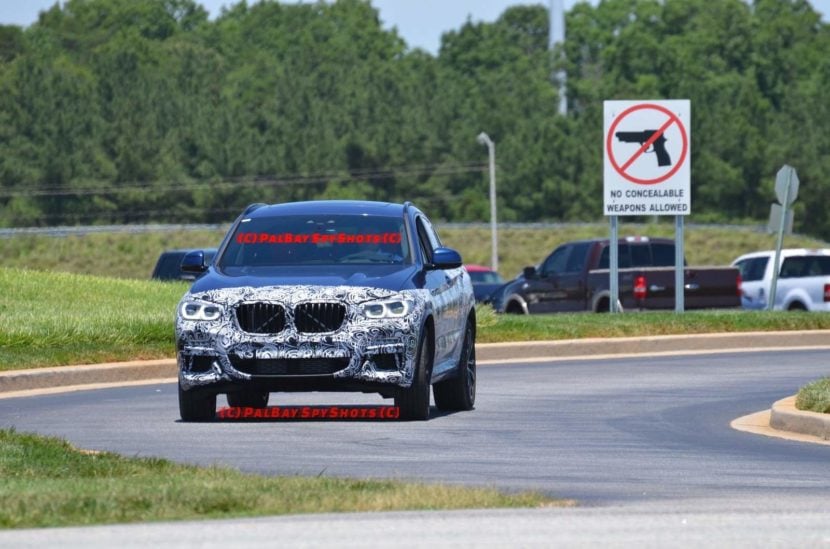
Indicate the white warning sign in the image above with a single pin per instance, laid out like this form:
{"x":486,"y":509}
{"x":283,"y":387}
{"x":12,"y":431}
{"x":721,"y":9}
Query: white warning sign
{"x":647,"y":158}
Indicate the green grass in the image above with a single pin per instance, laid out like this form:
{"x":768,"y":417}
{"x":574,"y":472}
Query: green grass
{"x":107,"y":254}
{"x":135,"y":255}
{"x":47,"y":482}
{"x":53,"y":319}
{"x":499,"y":328}
{"x":815,"y":396}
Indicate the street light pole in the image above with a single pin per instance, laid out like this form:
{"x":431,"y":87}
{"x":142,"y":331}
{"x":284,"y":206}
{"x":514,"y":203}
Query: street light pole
{"x":484,"y":139}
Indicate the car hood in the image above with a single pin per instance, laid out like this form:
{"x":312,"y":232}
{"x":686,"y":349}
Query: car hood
{"x":388,"y":277}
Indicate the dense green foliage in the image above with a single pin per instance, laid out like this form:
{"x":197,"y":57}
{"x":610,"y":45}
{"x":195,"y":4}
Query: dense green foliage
{"x":134,"y":110}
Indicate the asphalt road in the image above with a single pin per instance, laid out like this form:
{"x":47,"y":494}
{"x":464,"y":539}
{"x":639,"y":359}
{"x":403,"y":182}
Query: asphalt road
{"x":636,"y":437}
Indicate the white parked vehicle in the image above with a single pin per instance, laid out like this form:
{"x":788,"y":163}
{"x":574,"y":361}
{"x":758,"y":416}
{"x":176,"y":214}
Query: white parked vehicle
{"x":803,"y":279}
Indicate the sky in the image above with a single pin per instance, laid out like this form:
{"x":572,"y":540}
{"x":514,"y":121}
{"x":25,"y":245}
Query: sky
{"x":419,"y":22}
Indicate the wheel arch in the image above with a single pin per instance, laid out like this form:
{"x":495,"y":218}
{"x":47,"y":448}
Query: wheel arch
{"x":797,"y":305}
{"x":797,"y":299}
{"x":517,"y":301}
{"x":599,"y":299}
{"x":428,"y":330}
{"x":604,"y":298}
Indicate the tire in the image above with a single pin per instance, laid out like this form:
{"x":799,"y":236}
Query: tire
{"x":413,"y":401}
{"x":248,"y":399}
{"x":513,"y":308}
{"x":459,"y":393}
{"x":196,"y":405}
{"x":797,"y":306}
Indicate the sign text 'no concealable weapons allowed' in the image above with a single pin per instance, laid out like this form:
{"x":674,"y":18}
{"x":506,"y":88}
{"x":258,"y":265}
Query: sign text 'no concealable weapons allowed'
{"x":646,"y":150}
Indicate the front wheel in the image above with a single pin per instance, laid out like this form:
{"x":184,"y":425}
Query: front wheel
{"x":196,"y":405}
{"x":413,"y":402}
{"x":459,"y":393}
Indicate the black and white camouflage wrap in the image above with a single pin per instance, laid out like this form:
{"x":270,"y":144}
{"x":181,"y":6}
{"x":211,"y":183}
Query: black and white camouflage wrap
{"x":358,"y":338}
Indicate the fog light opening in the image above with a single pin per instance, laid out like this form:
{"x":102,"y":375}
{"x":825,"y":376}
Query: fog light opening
{"x":386,"y":362}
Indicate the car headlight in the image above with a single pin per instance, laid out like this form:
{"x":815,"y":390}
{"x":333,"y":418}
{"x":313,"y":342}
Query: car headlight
{"x":388,"y":308}
{"x":200,"y":310}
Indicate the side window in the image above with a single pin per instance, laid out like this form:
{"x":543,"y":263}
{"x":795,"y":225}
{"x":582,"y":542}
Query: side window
{"x":823,"y":263}
{"x":625,"y":256}
{"x":640,"y":255}
{"x":817,"y":266}
{"x":794,"y":267}
{"x":623,"y":260}
{"x":432,"y":235}
{"x":555,"y":263}
{"x":752,"y":269}
{"x":576,"y":259}
{"x":604,"y":258}
{"x":663,"y":255}
{"x":423,"y":240}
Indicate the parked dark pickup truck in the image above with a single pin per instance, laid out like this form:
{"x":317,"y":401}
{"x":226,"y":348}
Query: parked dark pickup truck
{"x":575,"y":277}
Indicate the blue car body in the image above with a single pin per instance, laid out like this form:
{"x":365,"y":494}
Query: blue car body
{"x":328,"y":296}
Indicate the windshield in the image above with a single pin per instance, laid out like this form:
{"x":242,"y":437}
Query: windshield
{"x":316,"y":240}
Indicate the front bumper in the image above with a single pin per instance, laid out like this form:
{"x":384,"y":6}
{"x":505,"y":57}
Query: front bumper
{"x":362,"y":352}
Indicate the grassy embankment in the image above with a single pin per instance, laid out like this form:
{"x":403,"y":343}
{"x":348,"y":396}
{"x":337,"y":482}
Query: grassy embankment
{"x":57,"y":319}
{"x":135,"y":255}
{"x":53,"y":319}
{"x":47,"y":482}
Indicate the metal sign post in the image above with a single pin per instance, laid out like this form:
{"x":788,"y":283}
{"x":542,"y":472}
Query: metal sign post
{"x":679,"y":267}
{"x":786,"y":189}
{"x":613,"y":267}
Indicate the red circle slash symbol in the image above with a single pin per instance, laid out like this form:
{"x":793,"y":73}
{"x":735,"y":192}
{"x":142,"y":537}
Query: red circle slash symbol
{"x":673,"y":119}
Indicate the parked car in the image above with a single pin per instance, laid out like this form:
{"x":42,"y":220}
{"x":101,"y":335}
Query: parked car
{"x":803,"y":279}
{"x":328,"y":296}
{"x":169,"y":264}
{"x":485,"y":281}
{"x":575,"y":277}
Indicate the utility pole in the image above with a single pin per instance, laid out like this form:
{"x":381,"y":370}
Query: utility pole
{"x":557,"y":37}
{"x":484,"y":139}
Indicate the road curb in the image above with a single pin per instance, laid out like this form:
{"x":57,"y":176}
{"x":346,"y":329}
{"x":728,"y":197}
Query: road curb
{"x":86,"y":374}
{"x":651,"y":344}
{"x":784,"y":416}
{"x":89,"y":374}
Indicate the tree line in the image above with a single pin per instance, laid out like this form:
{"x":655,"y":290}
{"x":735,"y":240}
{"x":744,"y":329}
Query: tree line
{"x":147,"y":110}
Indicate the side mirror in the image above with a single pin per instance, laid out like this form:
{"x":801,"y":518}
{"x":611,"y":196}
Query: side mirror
{"x":529,"y":272}
{"x":194,"y":262}
{"x":445,"y":258}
